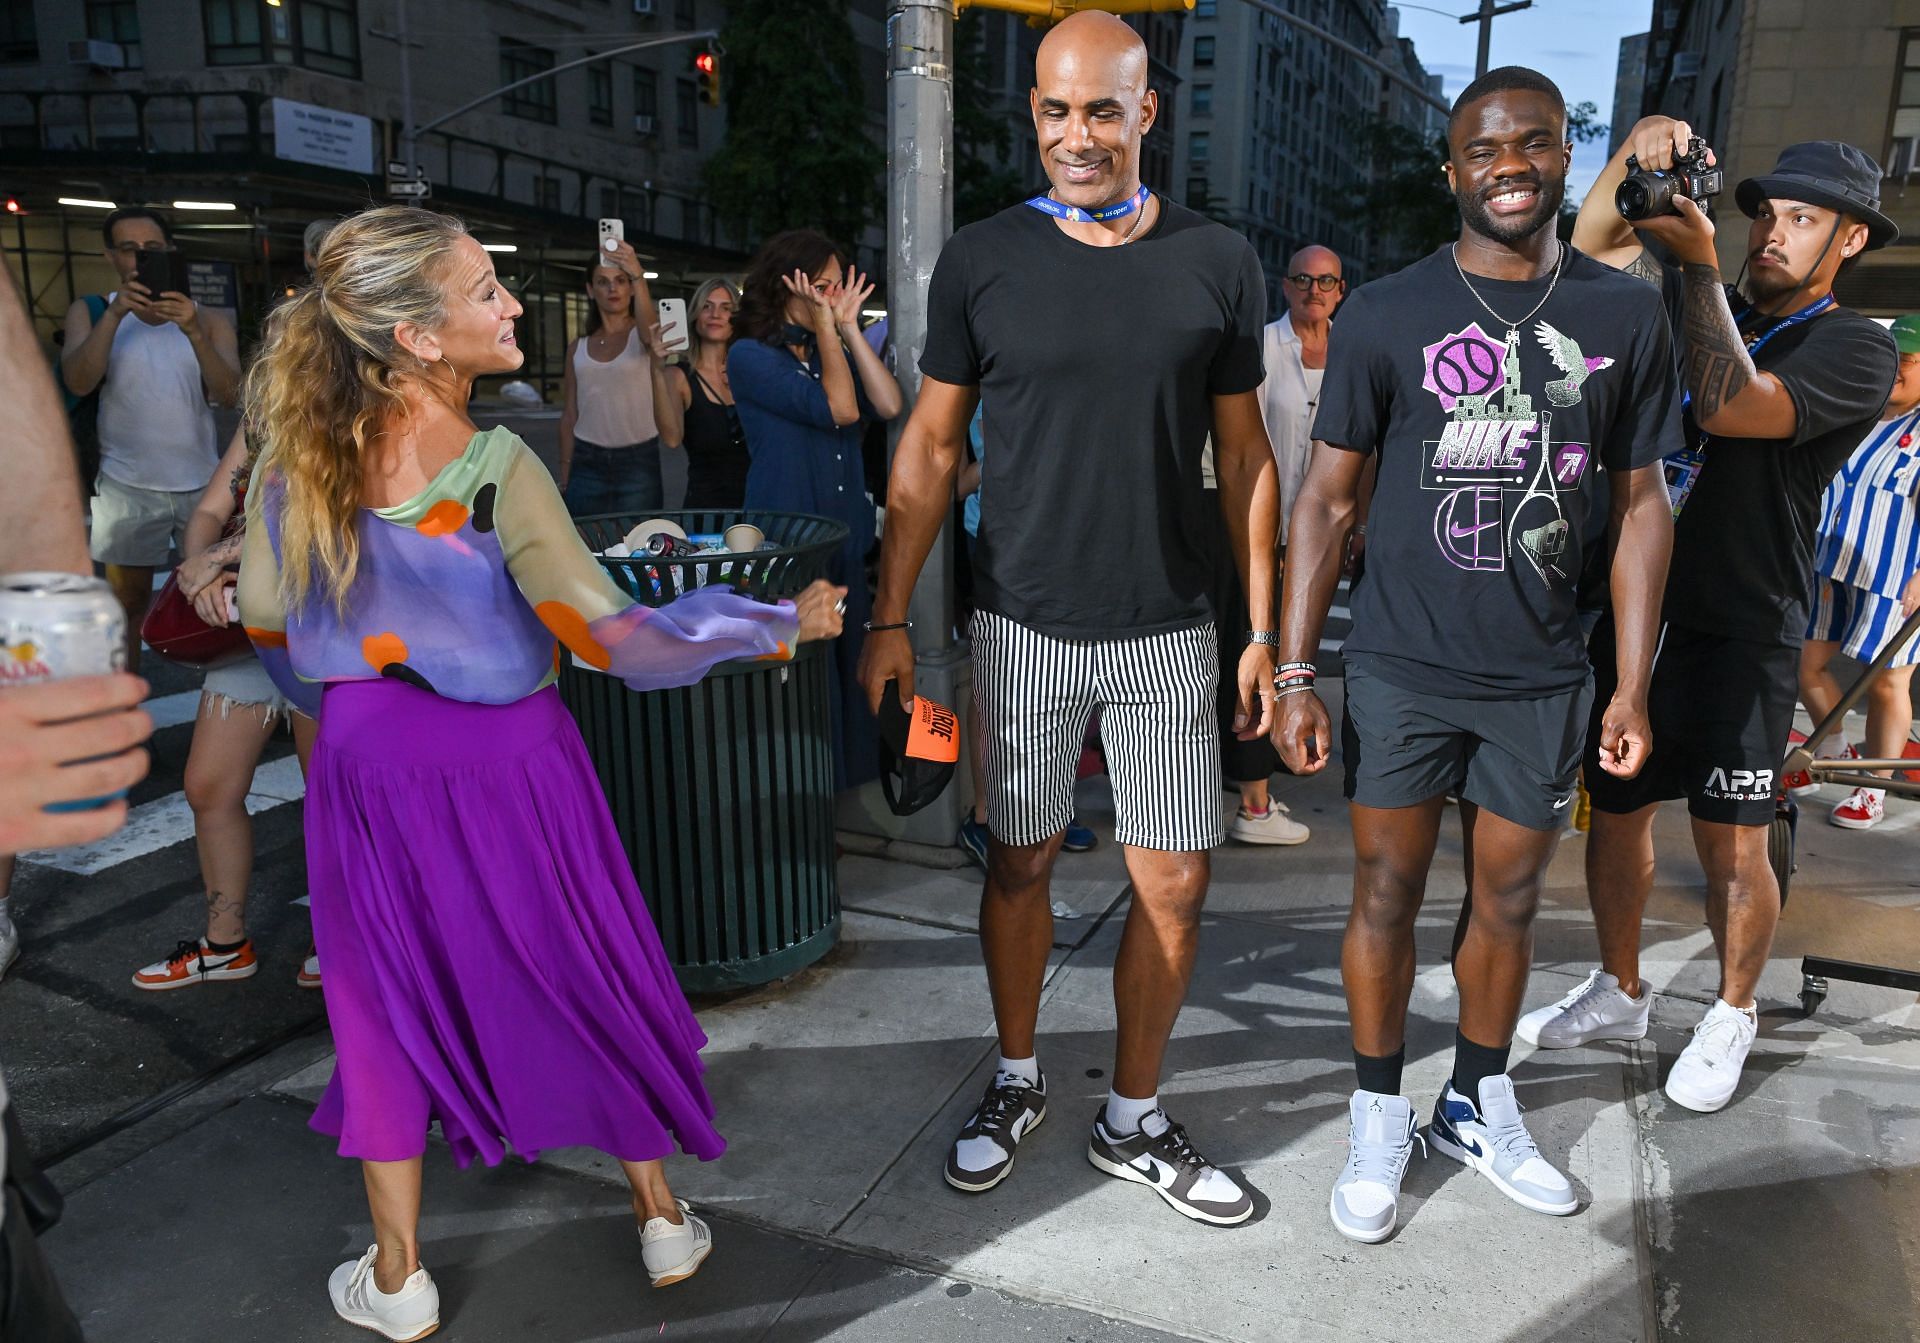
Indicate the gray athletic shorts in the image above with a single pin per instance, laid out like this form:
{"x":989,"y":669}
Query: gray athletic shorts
{"x":1033,"y":695}
{"x":1517,"y":758}
{"x":139,"y":527}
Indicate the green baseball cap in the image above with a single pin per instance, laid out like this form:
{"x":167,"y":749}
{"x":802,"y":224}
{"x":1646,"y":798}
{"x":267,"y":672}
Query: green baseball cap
{"x":1906,"y":333}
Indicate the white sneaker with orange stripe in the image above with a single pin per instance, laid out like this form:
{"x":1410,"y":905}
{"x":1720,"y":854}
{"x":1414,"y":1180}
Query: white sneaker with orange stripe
{"x":197,"y":963}
{"x":308,"y":976}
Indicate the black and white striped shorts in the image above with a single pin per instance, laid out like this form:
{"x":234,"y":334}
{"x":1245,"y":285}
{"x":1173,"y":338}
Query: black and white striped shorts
{"x":1033,"y":695}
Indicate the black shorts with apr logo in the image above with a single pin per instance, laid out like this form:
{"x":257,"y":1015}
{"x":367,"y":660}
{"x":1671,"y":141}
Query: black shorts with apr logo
{"x":1720,"y":711}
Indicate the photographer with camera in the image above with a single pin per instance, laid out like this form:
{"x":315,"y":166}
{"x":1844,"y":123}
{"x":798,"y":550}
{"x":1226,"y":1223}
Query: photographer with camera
{"x":155,"y":376}
{"x":1782,"y":384}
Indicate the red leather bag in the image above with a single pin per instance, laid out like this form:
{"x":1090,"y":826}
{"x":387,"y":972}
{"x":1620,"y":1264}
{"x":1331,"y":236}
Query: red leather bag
{"x":175,"y":631}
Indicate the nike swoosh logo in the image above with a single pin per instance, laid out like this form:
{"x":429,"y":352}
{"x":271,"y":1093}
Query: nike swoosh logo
{"x":1148,"y":1167}
{"x":1563,"y":802}
{"x":1459,"y":533}
{"x":1469,"y":1145}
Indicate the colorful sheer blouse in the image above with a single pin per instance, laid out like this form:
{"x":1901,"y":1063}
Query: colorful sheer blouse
{"x":471,"y":588}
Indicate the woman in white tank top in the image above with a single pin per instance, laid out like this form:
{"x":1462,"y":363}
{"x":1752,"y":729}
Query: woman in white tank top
{"x":619,"y":409}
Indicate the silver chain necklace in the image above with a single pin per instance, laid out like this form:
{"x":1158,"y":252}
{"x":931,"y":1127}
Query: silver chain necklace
{"x":1513,"y":328}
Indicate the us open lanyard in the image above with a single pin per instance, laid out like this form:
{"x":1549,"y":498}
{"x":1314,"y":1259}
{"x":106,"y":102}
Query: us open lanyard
{"x":1073,"y":214}
{"x":1683,"y":467}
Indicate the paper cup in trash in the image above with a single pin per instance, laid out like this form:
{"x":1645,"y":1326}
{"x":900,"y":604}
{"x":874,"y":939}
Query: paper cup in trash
{"x":744,"y":537}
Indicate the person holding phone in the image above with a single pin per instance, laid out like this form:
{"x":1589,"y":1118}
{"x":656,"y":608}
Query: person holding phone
{"x":155,"y":376}
{"x":716,"y":443}
{"x":619,"y":408}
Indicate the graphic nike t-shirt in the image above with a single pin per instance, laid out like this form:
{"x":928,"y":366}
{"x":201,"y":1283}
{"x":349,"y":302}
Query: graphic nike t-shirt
{"x":1495,"y":436}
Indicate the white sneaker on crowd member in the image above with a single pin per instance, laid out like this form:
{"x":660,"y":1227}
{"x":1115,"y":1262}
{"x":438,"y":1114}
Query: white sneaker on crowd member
{"x":1159,"y":1155}
{"x":1380,"y":1138}
{"x":1596,"y":1009}
{"x":674,"y":1253}
{"x":1863,"y":811}
{"x":1272,"y":826}
{"x":410,"y":1313}
{"x":1800,"y":783}
{"x":308,"y":976}
{"x":1491,"y":1138}
{"x":1015,"y":1104}
{"x":1707,"y":1072}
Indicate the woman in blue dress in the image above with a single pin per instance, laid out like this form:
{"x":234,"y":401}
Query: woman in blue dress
{"x":805,"y":384}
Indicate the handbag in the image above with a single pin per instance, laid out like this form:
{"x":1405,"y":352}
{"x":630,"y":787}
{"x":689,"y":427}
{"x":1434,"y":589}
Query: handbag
{"x":174,"y":630}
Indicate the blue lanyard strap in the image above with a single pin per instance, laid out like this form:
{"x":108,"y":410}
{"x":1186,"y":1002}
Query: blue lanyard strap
{"x":1808,"y":313}
{"x":1073,"y":214}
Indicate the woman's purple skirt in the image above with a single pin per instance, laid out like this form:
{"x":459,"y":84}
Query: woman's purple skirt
{"x":488,"y":959}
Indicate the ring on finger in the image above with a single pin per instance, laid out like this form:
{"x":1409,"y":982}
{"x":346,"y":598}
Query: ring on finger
{"x":840,"y":607}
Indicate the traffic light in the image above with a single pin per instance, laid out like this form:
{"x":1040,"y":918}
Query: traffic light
{"x":706,"y":66}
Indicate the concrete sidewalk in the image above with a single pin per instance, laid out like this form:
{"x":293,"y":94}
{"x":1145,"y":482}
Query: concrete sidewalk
{"x":1794,"y":1214}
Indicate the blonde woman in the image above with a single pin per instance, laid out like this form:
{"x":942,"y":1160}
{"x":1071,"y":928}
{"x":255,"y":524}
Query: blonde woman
{"x":490,"y":963}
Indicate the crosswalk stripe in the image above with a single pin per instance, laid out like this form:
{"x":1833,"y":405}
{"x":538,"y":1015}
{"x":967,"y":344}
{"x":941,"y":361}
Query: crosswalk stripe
{"x":168,"y":820}
{"x":173,"y":710}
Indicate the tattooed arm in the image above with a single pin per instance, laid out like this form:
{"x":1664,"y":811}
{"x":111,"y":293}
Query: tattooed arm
{"x":1731,"y":398}
{"x":1599,"y":231}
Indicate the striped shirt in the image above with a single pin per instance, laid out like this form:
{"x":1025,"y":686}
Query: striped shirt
{"x":1869,"y":526}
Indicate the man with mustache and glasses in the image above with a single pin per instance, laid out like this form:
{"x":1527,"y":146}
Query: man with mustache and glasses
{"x":1107,"y":331}
{"x":1782,"y":385}
{"x":1518,"y":397}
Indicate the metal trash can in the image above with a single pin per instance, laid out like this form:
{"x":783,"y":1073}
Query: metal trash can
{"x":723,"y":790}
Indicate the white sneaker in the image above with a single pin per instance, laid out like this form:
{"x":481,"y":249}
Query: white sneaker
{"x":1491,"y":1138}
{"x":1380,"y":1138}
{"x":674,"y":1253}
{"x":1595,"y":1010}
{"x":1707,"y":1072}
{"x":1273,"y":826}
{"x":410,"y":1313}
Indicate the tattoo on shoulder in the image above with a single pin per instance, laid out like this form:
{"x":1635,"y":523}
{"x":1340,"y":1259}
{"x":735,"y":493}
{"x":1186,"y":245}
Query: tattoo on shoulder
{"x":1718,"y":367}
{"x":1646,"y":268}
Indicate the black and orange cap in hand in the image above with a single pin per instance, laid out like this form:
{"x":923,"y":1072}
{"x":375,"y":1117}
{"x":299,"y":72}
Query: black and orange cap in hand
{"x":919,"y":749}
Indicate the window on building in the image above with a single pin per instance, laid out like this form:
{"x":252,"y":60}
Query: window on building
{"x":318,"y":34}
{"x":546,"y":192}
{"x":600,"y":94}
{"x":686,"y":112}
{"x":1203,"y":51}
{"x":19,"y":42}
{"x":1199,"y":147}
{"x":116,"y":21}
{"x":1201,"y":100}
{"x":1906,"y":98}
{"x":1197,"y":193}
{"x":646,"y":93}
{"x":683,"y":15}
{"x":1205,"y":9}
{"x":330,"y":37}
{"x":538,"y":101}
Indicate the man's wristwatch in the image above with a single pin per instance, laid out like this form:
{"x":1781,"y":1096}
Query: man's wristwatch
{"x":1265,"y":638}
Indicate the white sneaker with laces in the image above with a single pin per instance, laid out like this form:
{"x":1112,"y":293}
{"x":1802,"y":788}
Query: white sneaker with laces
{"x":674,"y":1253}
{"x":1273,"y":826}
{"x":1707,"y":1072}
{"x":1380,"y":1137}
{"x":410,"y":1313}
{"x":1490,"y":1137}
{"x":1863,"y":811}
{"x":1596,"y":1009}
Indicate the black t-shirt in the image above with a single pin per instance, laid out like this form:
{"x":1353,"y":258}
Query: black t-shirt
{"x":1743,"y":543}
{"x":1095,"y":367}
{"x":1492,"y":451}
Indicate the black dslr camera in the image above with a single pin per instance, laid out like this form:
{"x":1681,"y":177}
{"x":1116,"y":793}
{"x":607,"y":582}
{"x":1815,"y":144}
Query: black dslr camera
{"x":1645,"y":193}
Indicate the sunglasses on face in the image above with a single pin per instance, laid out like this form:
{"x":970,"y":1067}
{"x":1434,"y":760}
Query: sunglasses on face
{"x":1326,"y":284}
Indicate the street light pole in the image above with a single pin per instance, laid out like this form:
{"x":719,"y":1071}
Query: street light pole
{"x":407,"y":133}
{"x":1484,"y":16}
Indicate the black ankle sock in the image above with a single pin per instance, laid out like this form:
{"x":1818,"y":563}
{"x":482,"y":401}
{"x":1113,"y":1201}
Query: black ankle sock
{"x":1380,"y":1074}
{"x":224,"y":947}
{"x":1472,"y":1062}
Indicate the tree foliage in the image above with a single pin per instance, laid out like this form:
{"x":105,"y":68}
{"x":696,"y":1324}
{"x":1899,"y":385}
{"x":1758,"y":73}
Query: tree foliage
{"x":983,"y":183}
{"x":797,"y":152}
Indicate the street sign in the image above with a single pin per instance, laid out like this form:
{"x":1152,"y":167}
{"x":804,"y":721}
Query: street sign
{"x":416,"y":190}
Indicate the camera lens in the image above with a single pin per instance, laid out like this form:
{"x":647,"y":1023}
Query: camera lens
{"x":1631,"y":199}
{"x":1644,"y":195}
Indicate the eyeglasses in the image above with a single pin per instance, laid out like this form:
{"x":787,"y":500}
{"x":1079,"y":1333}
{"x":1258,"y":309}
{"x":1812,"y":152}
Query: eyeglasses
{"x":1326,"y":284}
{"x":136,"y":248}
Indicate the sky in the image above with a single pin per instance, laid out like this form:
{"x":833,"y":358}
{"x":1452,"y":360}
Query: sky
{"x":1576,"y":43}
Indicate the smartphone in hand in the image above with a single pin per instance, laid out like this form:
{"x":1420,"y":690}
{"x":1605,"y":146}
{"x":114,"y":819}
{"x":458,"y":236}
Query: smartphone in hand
{"x":612,"y":233}
{"x":161,"y":272}
{"x":673,"y":325}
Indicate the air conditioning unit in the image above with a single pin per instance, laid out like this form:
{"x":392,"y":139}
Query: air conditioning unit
{"x":643,"y":6}
{"x":642,"y":121}
{"x":1686,"y":64}
{"x":97,"y":53}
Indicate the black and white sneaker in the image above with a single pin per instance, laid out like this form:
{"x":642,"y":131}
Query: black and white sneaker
{"x":982,"y":1155}
{"x":1176,"y":1172}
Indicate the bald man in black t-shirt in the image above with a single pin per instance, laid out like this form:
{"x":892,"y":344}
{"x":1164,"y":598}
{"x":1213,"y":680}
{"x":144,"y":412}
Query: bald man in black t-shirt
{"x":1108,"y":331}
